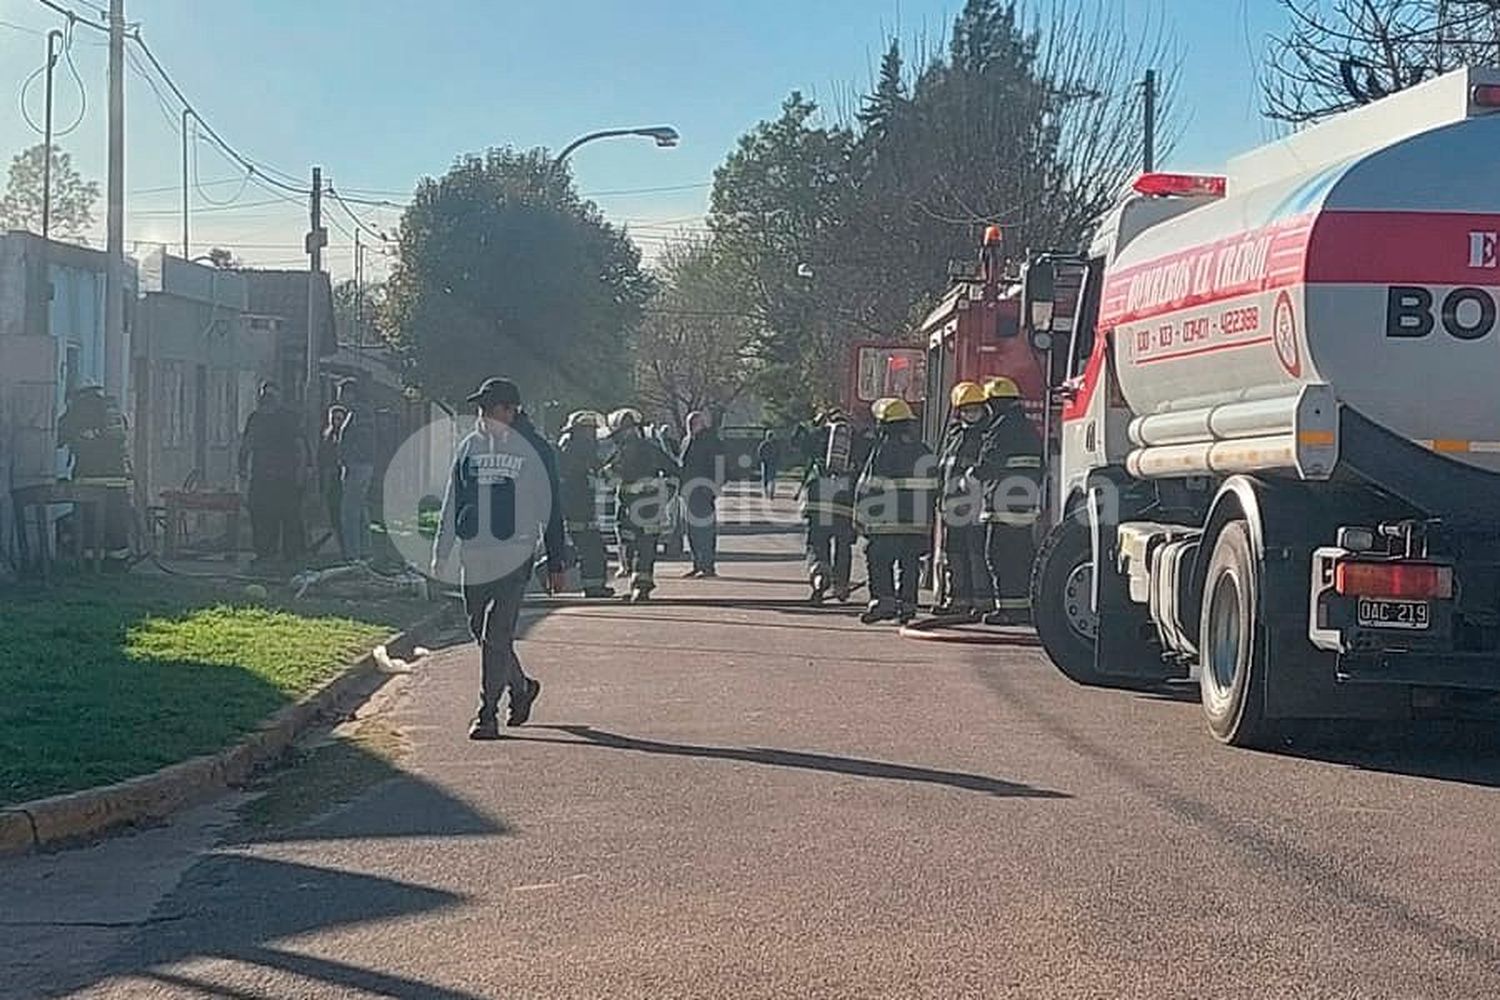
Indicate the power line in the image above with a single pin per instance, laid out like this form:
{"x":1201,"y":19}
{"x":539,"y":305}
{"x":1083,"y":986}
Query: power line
{"x":250,"y":165}
{"x":368,"y":229}
{"x":22,"y":28}
{"x":73,"y":15}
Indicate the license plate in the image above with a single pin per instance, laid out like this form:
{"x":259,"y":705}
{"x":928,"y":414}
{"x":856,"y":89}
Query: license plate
{"x":1413,"y":615}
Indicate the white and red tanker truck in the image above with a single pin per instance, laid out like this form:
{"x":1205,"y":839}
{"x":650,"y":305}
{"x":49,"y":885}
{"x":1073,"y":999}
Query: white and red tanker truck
{"x":1277,"y":465}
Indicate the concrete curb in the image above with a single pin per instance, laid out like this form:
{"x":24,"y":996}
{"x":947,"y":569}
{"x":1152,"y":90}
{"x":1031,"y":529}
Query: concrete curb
{"x":77,"y":817}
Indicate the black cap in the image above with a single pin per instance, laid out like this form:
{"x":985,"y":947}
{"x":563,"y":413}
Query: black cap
{"x":495,"y":391}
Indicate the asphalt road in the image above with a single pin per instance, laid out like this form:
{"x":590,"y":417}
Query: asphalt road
{"x":765,"y":801}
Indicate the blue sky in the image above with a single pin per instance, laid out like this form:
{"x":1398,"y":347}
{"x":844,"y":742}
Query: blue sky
{"x":381,"y":92}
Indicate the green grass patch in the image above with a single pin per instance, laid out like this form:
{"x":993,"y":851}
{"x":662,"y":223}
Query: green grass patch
{"x":109,"y":678}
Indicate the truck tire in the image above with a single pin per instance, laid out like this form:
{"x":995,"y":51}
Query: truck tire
{"x":1061,"y":588}
{"x":1232,"y":672}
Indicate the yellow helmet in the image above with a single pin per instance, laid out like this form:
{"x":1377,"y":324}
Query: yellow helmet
{"x":892,"y":410}
{"x":966,"y":394}
{"x":1001,"y":387}
{"x":625,"y":416}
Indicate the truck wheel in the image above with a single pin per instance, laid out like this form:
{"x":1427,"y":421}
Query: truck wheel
{"x":1062,"y":582}
{"x":1232,"y":668}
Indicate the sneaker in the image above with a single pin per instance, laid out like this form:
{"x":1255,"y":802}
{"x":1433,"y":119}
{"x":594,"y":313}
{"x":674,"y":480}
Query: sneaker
{"x":875,"y":614}
{"x":520,"y":708}
{"x":639,"y":595}
{"x":1011,"y":618}
{"x":709,"y":574}
{"x":906,"y":615}
{"x":484,"y":727}
{"x":841,"y":594}
{"x":692,"y":574}
{"x":819,"y":588}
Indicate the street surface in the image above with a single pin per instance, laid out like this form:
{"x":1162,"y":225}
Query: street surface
{"x":771,"y":801}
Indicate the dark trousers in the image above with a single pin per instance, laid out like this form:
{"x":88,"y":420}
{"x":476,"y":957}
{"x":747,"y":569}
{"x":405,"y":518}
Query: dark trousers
{"x":830,"y":550}
{"x":276,"y":518}
{"x":768,"y":480}
{"x":638,"y":554}
{"x":493,"y":608}
{"x":703,"y":537}
{"x":1010,"y":551}
{"x":968,"y":568}
{"x":894,"y":564}
{"x":588,"y":543}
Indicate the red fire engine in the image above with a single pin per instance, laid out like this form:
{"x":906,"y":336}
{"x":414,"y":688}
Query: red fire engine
{"x":974,"y":334}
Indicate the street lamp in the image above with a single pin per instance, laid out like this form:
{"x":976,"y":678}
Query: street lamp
{"x":665,"y":137}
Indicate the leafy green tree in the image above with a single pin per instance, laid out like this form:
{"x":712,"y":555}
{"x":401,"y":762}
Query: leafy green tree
{"x":504,"y":269}
{"x":695,"y":344}
{"x":72,"y":209}
{"x":778,"y":207}
{"x":357,"y":311}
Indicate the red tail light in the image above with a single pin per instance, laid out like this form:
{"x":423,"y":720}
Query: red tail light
{"x":1486,"y":95}
{"x":1414,"y":581}
{"x":1180,"y":185}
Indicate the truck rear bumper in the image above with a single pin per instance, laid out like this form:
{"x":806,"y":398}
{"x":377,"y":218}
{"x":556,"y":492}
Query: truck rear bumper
{"x":1465,"y":671}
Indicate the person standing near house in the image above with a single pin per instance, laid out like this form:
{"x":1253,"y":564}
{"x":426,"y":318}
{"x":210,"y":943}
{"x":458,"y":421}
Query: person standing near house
{"x":330,"y":489}
{"x":357,"y":462}
{"x":501,"y":494}
{"x":702,"y":474}
{"x":274,"y":460}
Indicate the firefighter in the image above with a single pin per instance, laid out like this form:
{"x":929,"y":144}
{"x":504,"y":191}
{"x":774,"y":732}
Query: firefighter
{"x":645,"y":473}
{"x":893,"y":507}
{"x":828,"y":505}
{"x":93,"y":430}
{"x":1010,"y":467}
{"x":971,"y":591}
{"x":578,"y":472}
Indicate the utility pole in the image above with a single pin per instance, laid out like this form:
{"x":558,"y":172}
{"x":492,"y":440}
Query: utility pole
{"x":187,"y":254}
{"x":1150,"y":120}
{"x":317,"y":238}
{"x":359,"y":293}
{"x":53,"y":37}
{"x":114,"y":251}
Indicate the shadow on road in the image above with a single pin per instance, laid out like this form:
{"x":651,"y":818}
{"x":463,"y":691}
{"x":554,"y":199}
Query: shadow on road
{"x":853,"y":766}
{"x":230,"y":905}
{"x":1462,"y":752}
{"x":759,"y":557}
{"x":1270,"y":854}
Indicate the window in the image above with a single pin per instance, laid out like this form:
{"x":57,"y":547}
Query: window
{"x":223,"y":407}
{"x":172,"y":412}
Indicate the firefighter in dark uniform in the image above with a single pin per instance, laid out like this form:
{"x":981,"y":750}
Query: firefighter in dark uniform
{"x":971,"y":591}
{"x":894,"y":501}
{"x":828,"y":505}
{"x":578,"y":472}
{"x":1010,"y":467}
{"x":94,"y":432}
{"x":646,"y":474}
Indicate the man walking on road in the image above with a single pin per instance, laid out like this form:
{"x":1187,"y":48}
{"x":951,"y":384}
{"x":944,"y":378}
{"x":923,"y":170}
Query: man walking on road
{"x":501,"y":492}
